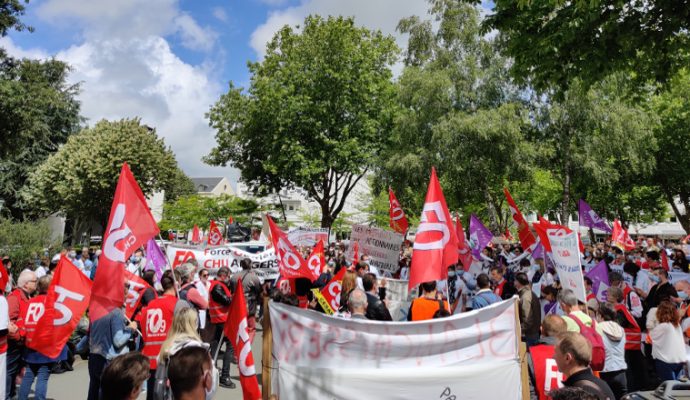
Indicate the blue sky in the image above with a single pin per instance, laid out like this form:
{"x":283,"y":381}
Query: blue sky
{"x":168,"y":61}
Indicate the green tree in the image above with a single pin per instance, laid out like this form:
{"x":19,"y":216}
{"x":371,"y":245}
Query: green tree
{"x":10,"y":11}
{"x":25,"y":242}
{"x":460,"y":112}
{"x":316,"y":114}
{"x":673,"y":137}
{"x":187,"y":211}
{"x":554,"y":42}
{"x":79,"y":180}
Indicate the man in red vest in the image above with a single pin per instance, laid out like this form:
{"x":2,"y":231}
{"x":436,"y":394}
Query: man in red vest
{"x":17,"y":303}
{"x":543,"y":372}
{"x":155,"y":321}
{"x":218,"y":307}
{"x":636,"y":372}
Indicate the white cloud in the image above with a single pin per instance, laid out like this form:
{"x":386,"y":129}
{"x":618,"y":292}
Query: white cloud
{"x":220,"y":14}
{"x":16,"y":51}
{"x":380,"y":14}
{"x":193,"y":35}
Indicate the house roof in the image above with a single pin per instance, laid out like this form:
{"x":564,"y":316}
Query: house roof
{"x":206,"y":184}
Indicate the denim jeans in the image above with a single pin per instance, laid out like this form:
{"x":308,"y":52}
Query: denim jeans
{"x":667,"y":371}
{"x":39,"y":371}
{"x":97,"y":364}
{"x":14,"y":365}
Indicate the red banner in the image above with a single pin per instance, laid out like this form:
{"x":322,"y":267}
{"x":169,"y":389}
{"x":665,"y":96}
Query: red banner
{"x":4,"y":277}
{"x":66,"y":301}
{"x":290,"y":262}
{"x":137,"y":285}
{"x":355,"y":254}
{"x":398,"y":220}
{"x":331,"y":292}
{"x":526,"y":237}
{"x":436,"y":243}
{"x":196,"y":235}
{"x":236,"y":331}
{"x":215,"y":237}
{"x":317,"y":260}
{"x":130,"y":226}
{"x":621,"y":238}
{"x":464,"y":249}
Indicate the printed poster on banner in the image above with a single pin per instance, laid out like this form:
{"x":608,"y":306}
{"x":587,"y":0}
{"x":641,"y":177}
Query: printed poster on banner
{"x":399,"y":298}
{"x":264,"y":263}
{"x":382,"y":246}
{"x":320,"y":357}
{"x":566,"y":257}
{"x":308,"y":237}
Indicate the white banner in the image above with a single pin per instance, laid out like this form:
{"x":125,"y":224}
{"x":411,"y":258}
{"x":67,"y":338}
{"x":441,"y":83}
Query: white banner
{"x":398,"y":298}
{"x":320,"y":357}
{"x":265,"y":263}
{"x":566,"y":256}
{"x":382,"y":246}
{"x":308,"y":237}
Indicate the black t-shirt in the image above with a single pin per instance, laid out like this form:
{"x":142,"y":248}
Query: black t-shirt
{"x":659,"y":293}
{"x":590,"y":384}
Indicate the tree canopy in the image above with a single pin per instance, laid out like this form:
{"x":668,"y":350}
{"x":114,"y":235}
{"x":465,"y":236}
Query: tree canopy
{"x":79,"y":179}
{"x":316,"y":113}
{"x":187,"y":211}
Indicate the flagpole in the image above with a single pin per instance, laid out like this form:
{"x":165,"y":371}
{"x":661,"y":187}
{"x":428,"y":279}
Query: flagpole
{"x":167,"y":264}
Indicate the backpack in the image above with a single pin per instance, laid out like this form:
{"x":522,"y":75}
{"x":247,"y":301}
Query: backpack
{"x":161,"y":386}
{"x":598,"y":350}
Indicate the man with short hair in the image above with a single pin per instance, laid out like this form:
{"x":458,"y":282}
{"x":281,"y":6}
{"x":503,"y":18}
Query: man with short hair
{"x":662,"y":290}
{"x":502,"y":288}
{"x":17,"y":301}
{"x":218,"y":308}
{"x":571,"y":307}
{"x":191,"y":374}
{"x":188,"y":290}
{"x":357,"y":304}
{"x":253,"y":293}
{"x":484,"y":295}
{"x":572,"y":354}
{"x":529,"y":310}
{"x":376,"y":309}
{"x":632,"y":300}
{"x":541,"y":378}
{"x":425,"y":306}
{"x":123,"y":378}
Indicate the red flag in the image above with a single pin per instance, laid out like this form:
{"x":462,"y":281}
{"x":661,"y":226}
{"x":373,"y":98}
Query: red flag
{"x":133,"y":298}
{"x":398,"y":220}
{"x":130,"y":226}
{"x":66,"y":301}
{"x":196,"y":235}
{"x":664,"y":260}
{"x":331,"y":292}
{"x":231,"y":220}
{"x":436,"y":243}
{"x":215,"y":238}
{"x":508,"y":235}
{"x":4,"y":277}
{"x":290,"y":262}
{"x":526,"y":237}
{"x":355,"y":256}
{"x":317,"y":260}
{"x":464,"y":249}
{"x":621,"y":238}
{"x":236,"y":331}
{"x":546,"y":228}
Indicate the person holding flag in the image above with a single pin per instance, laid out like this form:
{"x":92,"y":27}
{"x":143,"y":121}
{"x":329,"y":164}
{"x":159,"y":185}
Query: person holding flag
{"x":253,"y":293}
{"x":17,"y":301}
{"x":218,"y":306}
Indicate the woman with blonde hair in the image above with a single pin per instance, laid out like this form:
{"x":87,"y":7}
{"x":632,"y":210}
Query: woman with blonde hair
{"x":184,"y":328}
{"x":348,"y":284}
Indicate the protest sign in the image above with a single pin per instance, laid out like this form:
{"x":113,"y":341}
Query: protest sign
{"x":382,"y":247}
{"x":399,"y":298}
{"x":307,"y":237}
{"x":264,"y":263}
{"x":315,"y":356}
{"x":566,"y":257}
{"x":677,"y":276}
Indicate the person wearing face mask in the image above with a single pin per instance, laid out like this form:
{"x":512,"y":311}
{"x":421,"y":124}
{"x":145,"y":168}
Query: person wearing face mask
{"x":662,"y":289}
{"x":191,"y":373}
{"x":631,"y":299}
{"x":135,"y":262}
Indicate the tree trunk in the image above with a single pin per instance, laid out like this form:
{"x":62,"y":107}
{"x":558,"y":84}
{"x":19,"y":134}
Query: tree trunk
{"x":326,"y":217}
{"x":493,"y":213}
{"x":282,"y":207}
{"x":683,"y":219}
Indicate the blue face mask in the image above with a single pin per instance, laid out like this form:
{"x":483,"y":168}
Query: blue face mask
{"x":135,"y":259}
{"x":682,"y":295}
{"x":654,"y":278}
{"x":587,"y":254}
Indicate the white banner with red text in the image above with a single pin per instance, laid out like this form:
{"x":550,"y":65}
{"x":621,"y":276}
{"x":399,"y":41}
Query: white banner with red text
{"x":308,"y":237}
{"x":264,"y":263}
{"x":320,"y":357}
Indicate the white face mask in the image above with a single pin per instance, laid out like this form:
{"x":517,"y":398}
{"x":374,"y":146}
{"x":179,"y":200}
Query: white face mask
{"x":451,"y":274}
{"x":211,"y":393}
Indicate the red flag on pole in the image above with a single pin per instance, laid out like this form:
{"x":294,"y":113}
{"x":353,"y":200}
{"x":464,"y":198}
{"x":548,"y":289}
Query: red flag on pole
{"x":464,"y":249}
{"x":236,"y":331}
{"x":398,"y":220}
{"x":231,"y":220}
{"x":508,"y":235}
{"x":546,"y":228}
{"x":317,"y":260}
{"x":621,"y":238}
{"x":137,"y":285}
{"x":526,"y":237}
{"x":290,"y":262}
{"x":130,"y":226}
{"x":215,"y":237}
{"x":196,"y":235}
{"x":331,"y":292}
{"x":355,"y":254}
{"x":4,"y":277}
{"x":664,"y":260}
{"x":66,"y":301}
{"x":436,"y":243}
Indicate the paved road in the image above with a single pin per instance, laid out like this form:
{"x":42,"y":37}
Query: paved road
{"x":74,"y":385}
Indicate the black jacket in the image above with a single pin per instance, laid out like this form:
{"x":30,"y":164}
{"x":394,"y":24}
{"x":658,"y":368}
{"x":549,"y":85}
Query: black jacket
{"x":376,"y":310}
{"x":591,"y":384}
{"x":218,"y":294}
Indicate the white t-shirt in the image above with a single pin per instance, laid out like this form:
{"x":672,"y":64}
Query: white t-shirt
{"x":4,"y":317}
{"x":669,"y":345}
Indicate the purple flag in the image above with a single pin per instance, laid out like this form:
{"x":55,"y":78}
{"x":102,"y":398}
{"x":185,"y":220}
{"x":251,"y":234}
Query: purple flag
{"x":600,"y":280}
{"x":480,"y":236}
{"x":538,"y":251}
{"x":155,"y":259}
{"x":589,"y":218}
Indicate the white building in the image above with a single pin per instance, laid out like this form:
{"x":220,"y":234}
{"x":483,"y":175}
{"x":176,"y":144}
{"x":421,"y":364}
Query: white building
{"x":213,"y":187}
